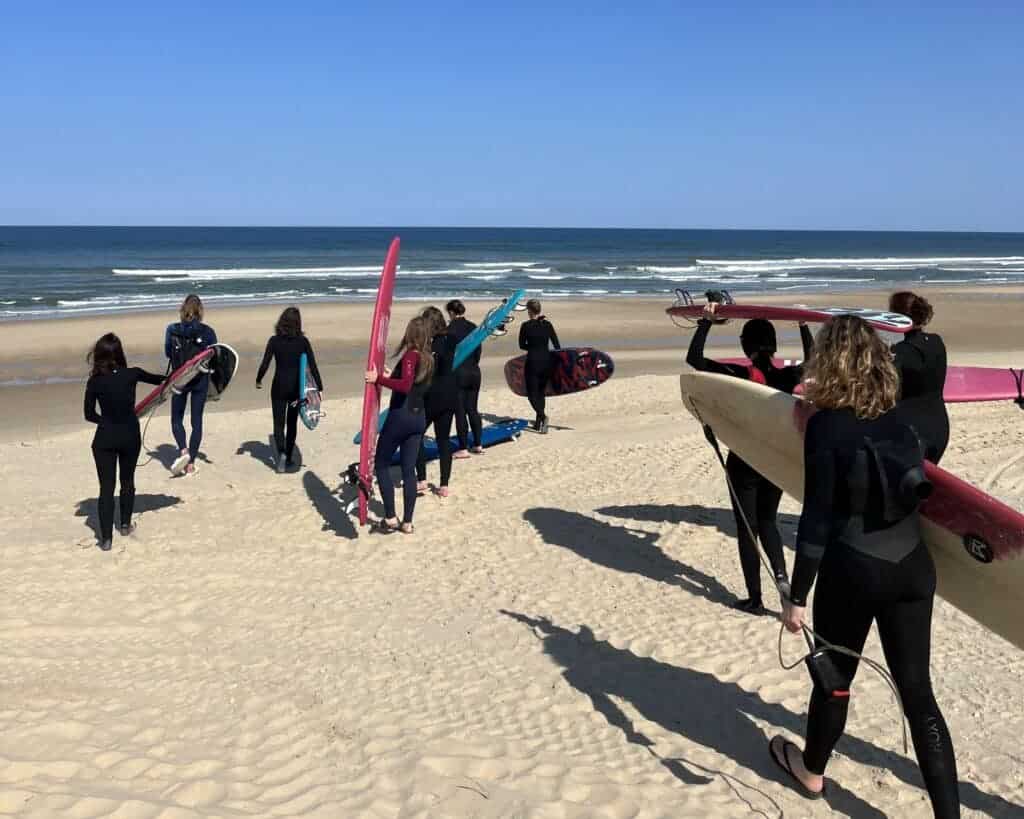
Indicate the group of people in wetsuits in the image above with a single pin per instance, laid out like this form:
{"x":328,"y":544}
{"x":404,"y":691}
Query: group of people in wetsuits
{"x":880,"y":414}
{"x":427,"y":391}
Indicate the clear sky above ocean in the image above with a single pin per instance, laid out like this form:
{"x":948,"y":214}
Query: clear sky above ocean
{"x":859,"y":115}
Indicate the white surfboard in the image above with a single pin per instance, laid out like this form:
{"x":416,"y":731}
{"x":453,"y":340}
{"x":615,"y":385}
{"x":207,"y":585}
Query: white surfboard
{"x":976,"y":541}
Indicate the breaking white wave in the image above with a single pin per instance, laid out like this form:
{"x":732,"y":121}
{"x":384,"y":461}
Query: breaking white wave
{"x":546,"y":278}
{"x":229,"y":273}
{"x":499,"y":264}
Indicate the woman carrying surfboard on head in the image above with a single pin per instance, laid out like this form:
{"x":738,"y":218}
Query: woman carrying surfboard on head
{"x":921,"y":362}
{"x":406,"y":422}
{"x":286,"y":347}
{"x":468,"y":381}
{"x":754,"y":498}
{"x":118,"y":440}
{"x":537,"y":336}
{"x":183,"y":340}
{"x":860,"y":536}
{"x":441,"y":400}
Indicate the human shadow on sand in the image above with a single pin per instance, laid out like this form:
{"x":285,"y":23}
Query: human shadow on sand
{"x":330,"y":506}
{"x":89,"y":508}
{"x":632,"y":551}
{"x":719,"y":518}
{"x":266,"y":453}
{"x":716,"y":714}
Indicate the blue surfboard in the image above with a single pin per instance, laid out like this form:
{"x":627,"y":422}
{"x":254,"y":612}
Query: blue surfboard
{"x":495,"y":317}
{"x":497,"y":433}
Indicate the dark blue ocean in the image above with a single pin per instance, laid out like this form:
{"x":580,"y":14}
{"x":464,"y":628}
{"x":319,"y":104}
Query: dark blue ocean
{"x":65,"y":271}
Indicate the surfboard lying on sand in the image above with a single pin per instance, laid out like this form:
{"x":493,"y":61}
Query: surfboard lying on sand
{"x":976,"y":541}
{"x":199,"y":363}
{"x":495,"y":318}
{"x":573,"y":369}
{"x":508,"y":429}
{"x":964,"y":385}
{"x":375,"y":358}
{"x":309,"y":395}
{"x":879,"y":319}
{"x":223,"y":367}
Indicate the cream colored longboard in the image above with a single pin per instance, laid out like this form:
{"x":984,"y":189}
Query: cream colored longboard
{"x":977,"y":542}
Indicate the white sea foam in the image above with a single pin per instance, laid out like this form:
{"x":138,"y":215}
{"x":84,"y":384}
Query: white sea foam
{"x":499,"y":264}
{"x":486,"y":278}
{"x":872,"y":263}
{"x":650,"y":268}
{"x":547,"y":278}
{"x":225,"y":274}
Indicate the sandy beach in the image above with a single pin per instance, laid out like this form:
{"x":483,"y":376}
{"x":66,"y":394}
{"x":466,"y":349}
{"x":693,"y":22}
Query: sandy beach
{"x":555,"y":640}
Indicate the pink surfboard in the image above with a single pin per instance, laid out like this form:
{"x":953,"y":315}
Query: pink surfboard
{"x":964,"y":385}
{"x":375,"y":360}
{"x":879,"y":319}
{"x":179,"y":378}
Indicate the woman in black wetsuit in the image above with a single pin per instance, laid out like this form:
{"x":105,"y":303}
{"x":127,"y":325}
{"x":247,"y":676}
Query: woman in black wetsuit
{"x":864,"y":544}
{"x":755,"y":499}
{"x":117,"y":440}
{"x":921,"y":362}
{"x":405,"y":424}
{"x":286,"y":347}
{"x":467,"y":379}
{"x":537,"y":336}
{"x":441,"y":400}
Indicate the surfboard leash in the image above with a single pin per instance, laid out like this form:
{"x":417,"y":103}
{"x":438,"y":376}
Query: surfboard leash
{"x":817,"y":645}
{"x":1018,"y":377}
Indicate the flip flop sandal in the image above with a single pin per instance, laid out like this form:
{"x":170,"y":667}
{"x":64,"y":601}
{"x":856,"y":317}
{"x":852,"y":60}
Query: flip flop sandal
{"x":461,"y":454}
{"x":787,"y":769}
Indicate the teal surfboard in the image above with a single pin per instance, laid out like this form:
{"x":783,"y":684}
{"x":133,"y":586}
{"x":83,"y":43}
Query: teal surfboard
{"x":309,"y":396}
{"x":495,"y":317}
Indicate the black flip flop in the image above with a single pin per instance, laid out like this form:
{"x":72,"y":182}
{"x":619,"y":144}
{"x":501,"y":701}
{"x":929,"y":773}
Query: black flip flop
{"x":382,"y":527}
{"x":786,"y":768}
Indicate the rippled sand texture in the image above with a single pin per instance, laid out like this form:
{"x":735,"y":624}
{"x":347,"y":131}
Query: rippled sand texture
{"x":555,"y":641}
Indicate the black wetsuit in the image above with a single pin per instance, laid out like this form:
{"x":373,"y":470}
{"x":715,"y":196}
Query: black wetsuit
{"x":441,"y":401}
{"x":117,"y":439}
{"x":468,"y":379}
{"x":195,"y":391}
{"x":868,"y":568}
{"x":403,"y":429}
{"x":285,"y":390}
{"x":756,"y":496}
{"x":537,"y":336}
{"x":921,"y":361}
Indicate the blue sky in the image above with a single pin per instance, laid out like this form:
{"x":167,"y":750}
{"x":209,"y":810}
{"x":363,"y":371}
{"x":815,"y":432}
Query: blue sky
{"x":649,"y":114}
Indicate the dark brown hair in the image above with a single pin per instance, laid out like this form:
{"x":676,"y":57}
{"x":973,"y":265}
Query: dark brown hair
{"x":107,"y":355}
{"x":851,"y":368}
{"x":417,"y":337}
{"x":191,"y":308}
{"x":455,"y":307}
{"x":912,"y":305}
{"x":533,"y":307}
{"x":289,"y":323}
{"x":435,"y":321}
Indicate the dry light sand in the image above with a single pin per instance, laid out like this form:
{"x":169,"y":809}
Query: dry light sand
{"x":554,"y":641}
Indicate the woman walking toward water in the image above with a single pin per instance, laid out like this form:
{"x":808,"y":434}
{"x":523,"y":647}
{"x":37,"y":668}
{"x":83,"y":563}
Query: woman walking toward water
{"x":921,"y":362}
{"x":286,"y":347}
{"x":537,"y":336}
{"x":184,"y":340}
{"x":755,"y":499}
{"x":405,"y":424}
{"x":117,"y":441}
{"x":860,"y":536}
{"x":467,"y":381}
{"x":440,"y":400}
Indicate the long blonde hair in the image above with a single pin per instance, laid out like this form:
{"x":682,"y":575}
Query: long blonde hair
{"x":417,"y":337}
{"x":851,"y":367}
{"x":191,"y":308}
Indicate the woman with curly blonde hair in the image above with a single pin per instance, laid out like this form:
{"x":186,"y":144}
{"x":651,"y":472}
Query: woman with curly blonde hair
{"x":860,"y":535}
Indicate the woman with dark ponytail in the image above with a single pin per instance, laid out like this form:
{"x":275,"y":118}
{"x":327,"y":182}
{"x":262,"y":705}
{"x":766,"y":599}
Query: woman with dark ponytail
{"x":921,"y":362}
{"x":755,"y":499}
{"x":467,"y":378}
{"x":117,"y":441}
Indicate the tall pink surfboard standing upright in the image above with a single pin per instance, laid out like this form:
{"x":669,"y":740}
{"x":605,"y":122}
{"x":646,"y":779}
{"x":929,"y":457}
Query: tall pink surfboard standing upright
{"x":375,"y":360}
